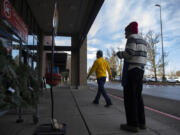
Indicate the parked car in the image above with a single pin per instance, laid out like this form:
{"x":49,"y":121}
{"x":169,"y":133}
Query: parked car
{"x":92,"y":78}
{"x":150,"y":79}
{"x":174,"y":79}
{"x":177,"y":79}
{"x":117,"y":78}
{"x":171,"y":80}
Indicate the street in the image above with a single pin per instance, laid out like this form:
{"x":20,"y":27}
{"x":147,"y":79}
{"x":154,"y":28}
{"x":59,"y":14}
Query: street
{"x":168,"y":92}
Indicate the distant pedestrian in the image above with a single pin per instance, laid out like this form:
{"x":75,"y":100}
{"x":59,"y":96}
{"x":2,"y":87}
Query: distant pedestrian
{"x":100,"y":66}
{"x":134,"y":56}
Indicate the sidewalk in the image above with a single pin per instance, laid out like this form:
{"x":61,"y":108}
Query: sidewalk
{"x":74,"y":107}
{"x":106,"y":121}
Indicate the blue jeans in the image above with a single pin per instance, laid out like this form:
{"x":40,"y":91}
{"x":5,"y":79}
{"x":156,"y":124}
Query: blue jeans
{"x":101,"y":81}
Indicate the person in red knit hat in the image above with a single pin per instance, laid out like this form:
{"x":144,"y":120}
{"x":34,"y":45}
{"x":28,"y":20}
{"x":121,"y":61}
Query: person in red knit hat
{"x":134,"y":56}
{"x":132,"y":28}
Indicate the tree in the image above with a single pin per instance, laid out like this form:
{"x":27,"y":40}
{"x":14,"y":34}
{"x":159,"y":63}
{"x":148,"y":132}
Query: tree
{"x":172,"y":74}
{"x":120,"y":66}
{"x":152,"y":40}
{"x":178,"y":73}
{"x":154,"y":63}
{"x":113,"y":61}
{"x":160,"y":64}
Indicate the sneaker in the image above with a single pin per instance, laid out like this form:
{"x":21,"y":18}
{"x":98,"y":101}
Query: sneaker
{"x":142,"y":126}
{"x":94,"y":102}
{"x":107,"y":105}
{"x":129,"y":128}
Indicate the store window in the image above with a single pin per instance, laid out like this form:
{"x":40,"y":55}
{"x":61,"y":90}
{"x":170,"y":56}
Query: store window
{"x":62,"y":41}
{"x":15,"y":49}
{"x":32,"y":40}
{"x":7,"y":44}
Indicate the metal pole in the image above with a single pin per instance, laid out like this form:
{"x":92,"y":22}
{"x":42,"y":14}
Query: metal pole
{"x":33,"y":54}
{"x":52,"y":65}
{"x":163,"y":77}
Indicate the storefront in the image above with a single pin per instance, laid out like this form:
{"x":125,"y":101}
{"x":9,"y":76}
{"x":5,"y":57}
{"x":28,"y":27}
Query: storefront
{"x":18,"y":78}
{"x":15,"y":35}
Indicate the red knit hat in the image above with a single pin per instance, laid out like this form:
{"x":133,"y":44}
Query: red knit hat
{"x":132,"y":28}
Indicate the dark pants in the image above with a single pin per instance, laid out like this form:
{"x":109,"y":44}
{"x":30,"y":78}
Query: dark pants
{"x":133,"y":100}
{"x":101,"y":81}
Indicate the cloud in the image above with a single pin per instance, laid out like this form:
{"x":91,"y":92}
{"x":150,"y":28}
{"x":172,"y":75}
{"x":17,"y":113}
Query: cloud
{"x":92,"y":49}
{"x":113,"y":13}
{"x":108,"y":29}
{"x":170,"y":43}
{"x":91,"y":56}
{"x":171,"y":27}
{"x":147,"y":20}
{"x":97,"y":25}
{"x":93,"y":41}
{"x":91,"y":52}
{"x":117,"y":36}
{"x":116,"y":45}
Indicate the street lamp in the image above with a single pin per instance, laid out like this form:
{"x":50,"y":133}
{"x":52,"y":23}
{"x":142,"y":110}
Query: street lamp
{"x":163,"y":77}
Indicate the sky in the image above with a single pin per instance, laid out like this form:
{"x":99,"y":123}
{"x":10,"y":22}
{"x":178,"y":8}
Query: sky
{"x":108,"y":29}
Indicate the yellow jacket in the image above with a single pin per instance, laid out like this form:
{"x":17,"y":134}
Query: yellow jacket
{"x":100,"y":66}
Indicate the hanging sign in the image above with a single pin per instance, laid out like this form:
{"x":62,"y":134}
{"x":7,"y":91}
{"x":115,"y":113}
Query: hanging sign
{"x":55,"y":18}
{"x":12,"y":17}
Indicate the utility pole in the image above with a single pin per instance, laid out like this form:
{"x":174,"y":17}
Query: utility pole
{"x":163,"y":77}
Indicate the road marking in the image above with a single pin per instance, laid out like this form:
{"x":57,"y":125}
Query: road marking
{"x":163,"y":113}
{"x":148,"y":108}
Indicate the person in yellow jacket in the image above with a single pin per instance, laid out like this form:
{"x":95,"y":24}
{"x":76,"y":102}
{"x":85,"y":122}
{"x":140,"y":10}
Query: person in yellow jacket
{"x":100,"y":66}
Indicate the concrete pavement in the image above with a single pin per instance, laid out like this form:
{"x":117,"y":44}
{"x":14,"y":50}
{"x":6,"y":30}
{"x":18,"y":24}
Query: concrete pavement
{"x":106,"y":121}
{"x":74,"y":107}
